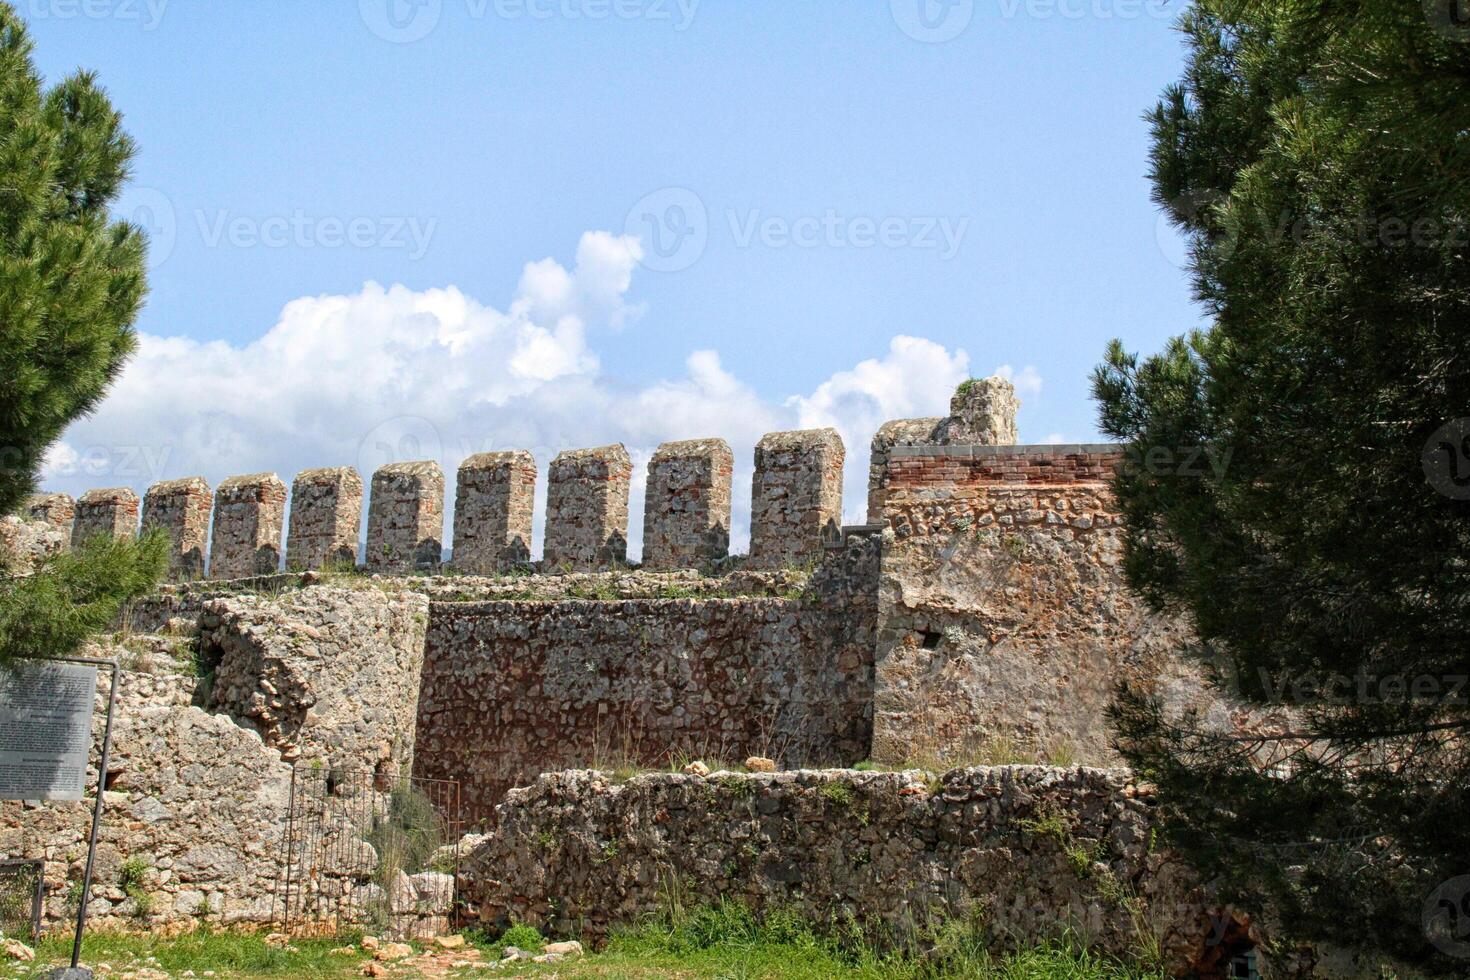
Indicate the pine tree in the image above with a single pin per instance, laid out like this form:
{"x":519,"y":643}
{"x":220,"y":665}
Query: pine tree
{"x":1315,"y":156}
{"x":71,"y":285}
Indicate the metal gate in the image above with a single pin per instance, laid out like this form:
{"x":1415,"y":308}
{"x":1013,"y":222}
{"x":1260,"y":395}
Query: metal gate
{"x":369,"y":850}
{"x":22,"y":890}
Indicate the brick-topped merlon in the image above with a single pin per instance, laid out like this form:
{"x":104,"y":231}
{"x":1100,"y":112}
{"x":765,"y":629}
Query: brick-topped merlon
{"x":494,"y":500}
{"x":587,"y":509}
{"x":796,"y":496}
{"x":249,"y":516}
{"x":686,"y":511}
{"x":406,"y":518}
{"x":180,"y":508}
{"x":56,"y":509}
{"x":915,"y":466}
{"x":326,"y":515}
{"x":112,"y":512}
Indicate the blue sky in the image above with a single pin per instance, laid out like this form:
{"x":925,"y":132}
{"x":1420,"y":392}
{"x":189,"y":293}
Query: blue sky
{"x":822,"y":177}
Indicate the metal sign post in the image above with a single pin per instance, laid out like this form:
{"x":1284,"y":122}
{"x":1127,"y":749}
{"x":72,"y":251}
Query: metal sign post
{"x":43,"y":749}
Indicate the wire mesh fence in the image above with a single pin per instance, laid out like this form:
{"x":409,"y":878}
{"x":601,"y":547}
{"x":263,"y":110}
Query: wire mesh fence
{"x":369,"y":850}
{"x":22,"y":890}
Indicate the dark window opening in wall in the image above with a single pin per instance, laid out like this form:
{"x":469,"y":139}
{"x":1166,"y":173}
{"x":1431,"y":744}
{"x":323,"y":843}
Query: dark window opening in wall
{"x":1243,"y":967}
{"x":931,"y":639}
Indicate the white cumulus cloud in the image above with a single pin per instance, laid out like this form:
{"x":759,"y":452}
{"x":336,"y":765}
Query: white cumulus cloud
{"x":389,"y":373}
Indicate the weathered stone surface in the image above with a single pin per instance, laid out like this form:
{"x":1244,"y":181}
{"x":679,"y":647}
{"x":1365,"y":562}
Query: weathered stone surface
{"x":587,"y":509}
{"x":56,"y":509}
{"x":112,"y":512}
{"x":1006,"y":620}
{"x":511,"y":689}
{"x":324,"y":673}
{"x":194,"y":798}
{"x":493,"y":503}
{"x":249,"y":517}
{"x":796,"y":496}
{"x":889,"y":851}
{"x":180,"y":508}
{"x":326,"y":515}
{"x":983,"y":413}
{"x":406,"y":517}
{"x":686,"y":511}
{"x":25,"y":543}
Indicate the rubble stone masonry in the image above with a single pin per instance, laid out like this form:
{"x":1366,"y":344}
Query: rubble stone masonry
{"x":887,"y":852}
{"x":112,"y":512}
{"x":796,"y":496}
{"x":686,"y":511}
{"x":406,"y":517}
{"x":326,"y":514}
{"x":1006,"y":620}
{"x":180,"y":508}
{"x":511,"y":689}
{"x":249,"y":517}
{"x":56,"y":509}
{"x":493,"y":503}
{"x":587,"y":509}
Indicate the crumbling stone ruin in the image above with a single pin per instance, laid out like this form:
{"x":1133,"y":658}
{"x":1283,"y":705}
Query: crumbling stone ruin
{"x":112,"y":513}
{"x":180,"y":508}
{"x":492,"y":512}
{"x":326,"y":513}
{"x":979,"y":619}
{"x":587,"y":509}
{"x":406,"y":517}
{"x":56,"y":509}
{"x":249,"y":515}
{"x":686,"y":522}
{"x":796,"y":496}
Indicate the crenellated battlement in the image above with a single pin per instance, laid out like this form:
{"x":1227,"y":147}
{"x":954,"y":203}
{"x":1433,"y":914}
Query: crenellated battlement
{"x":795,"y":493}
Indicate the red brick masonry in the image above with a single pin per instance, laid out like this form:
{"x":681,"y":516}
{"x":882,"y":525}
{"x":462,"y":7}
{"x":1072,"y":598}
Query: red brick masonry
{"x":919,"y":466}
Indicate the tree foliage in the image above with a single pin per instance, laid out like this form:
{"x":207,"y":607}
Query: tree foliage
{"x":71,"y":278}
{"x":1315,"y":155}
{"x":71,"y":284}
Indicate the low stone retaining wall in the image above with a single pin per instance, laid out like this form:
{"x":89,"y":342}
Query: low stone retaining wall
{"x":1023,"y":853}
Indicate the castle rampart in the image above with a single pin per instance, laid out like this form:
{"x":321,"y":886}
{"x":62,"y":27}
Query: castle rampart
{"x":587,"y":509}
{"x":796,"y":496}
{"x":111,"y":512}
{"x":686,"y":511}
{"x":249,"y":517}
{"x":180,"y":508}
{"x":493,"y":506}
{"x":406,"y":517}
{"x":326,"y":514}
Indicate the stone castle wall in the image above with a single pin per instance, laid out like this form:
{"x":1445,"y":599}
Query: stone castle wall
{"x":587,"y":509}
{"x":511,"y":689}
{"x":579,"y":853}
{"x":1006,"y":620}
{"x":180,"y":508}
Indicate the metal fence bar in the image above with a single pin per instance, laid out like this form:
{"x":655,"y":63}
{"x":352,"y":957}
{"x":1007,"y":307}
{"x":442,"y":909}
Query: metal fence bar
{"x":361,"y":848}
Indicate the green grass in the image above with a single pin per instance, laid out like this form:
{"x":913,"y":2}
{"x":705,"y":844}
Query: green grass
{"x":229,"y":954}
{"x":726,"y":941}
